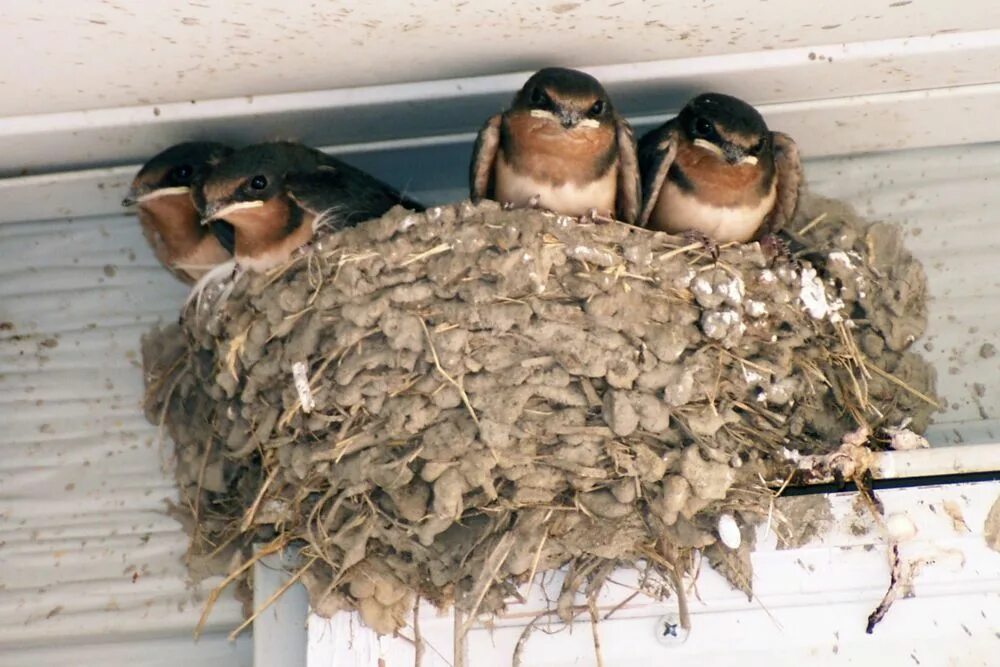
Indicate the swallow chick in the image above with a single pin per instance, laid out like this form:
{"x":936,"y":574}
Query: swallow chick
{"x":276,"y":195}
{"x":717,"y":172}
{"x":163,"y":193}
{"x":561,"y":146}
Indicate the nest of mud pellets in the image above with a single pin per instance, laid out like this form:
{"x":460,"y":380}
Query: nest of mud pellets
{"x":445,"y":404}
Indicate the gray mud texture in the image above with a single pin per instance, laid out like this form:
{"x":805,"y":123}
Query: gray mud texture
{"x":487,"y":394}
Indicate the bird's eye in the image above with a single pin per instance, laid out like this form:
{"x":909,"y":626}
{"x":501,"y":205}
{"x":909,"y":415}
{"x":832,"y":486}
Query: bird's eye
{"x":183,"y":172}
{"x":702,"y":127}
{"x":597,"y":108}
{"x":258,"y":182}
{"x":756,"y":148}
{"x":538,"y":97}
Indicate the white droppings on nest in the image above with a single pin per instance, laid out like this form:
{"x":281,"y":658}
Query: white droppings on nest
{"x":767,"y":277}
{"x":701,"y":286}
{"x":733,"y":290}
{"x":755,"y":308}
{"x":719,"y":324}
{"x":537,"y":282}
{"x":792,"y":455}
{"x":901,"y":527}
{"x":813,"y":296}
{"x":592,"y":255}
{"x":434,"y":213}
{"x":903,"y":439}
{"x":407,"y":222}
{"x":306,"y":399}
{"x":684,"y":280}
{"x":841,"y":257}
{"x":781,"y":392}
{"x":729,"y":531}
{"x":752,"y":377}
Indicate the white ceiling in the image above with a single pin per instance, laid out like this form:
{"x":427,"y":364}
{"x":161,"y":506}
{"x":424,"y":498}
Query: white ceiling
{"x":67,"y":55}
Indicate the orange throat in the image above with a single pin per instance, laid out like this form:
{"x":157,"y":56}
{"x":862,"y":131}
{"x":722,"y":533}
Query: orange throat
{"x":550,"y":153}
{"x":263,"y":239}
{"x":174,"y":219}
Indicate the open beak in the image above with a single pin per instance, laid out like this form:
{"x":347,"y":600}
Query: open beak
{"x":219,"y":210}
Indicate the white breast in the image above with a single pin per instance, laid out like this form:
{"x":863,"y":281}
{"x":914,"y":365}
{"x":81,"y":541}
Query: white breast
{"x":678,"y":211}
{"x":568,"y":199}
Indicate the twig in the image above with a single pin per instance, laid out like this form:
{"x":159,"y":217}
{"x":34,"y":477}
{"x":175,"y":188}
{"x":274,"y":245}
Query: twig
{"x":895,"y":576}
{"x":538,"y":556}
{"x":271,"y":599}
{"x":418,"y":640}
{"x":899,"y":383}
{"x":592,"y":607}
{"x":522,"y":641}
{"x":621,"y":604}
{"x":458,"y":646}
{"x":197,"y":494}
{"x":163,"y":417}
{"x":492,"y":565}
{"x":812,"y":223}
{"x":248,"y":517}
{"x":515,"y":659}
{"x":436,"y":250}
{"x":678,"y":251}
{"x":277,"y":545}
{"x":443,"y":372}
{"x":682,"y":603}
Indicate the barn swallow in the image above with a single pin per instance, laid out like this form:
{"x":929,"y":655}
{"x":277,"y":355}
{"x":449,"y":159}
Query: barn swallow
{"x":276,"y":195}
{"x":716,"y":171}
{"x":561,"y":146}
{"x":163,"y":191}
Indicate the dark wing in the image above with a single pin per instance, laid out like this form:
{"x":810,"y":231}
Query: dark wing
{"x":342,"y":195}
{"x":629,"y":195}
{"x":364,"y":179}
{"x":788,"y":168}
{"x":657,"y":150}
{"x":224,"y":234}
{"x":484,"y":155}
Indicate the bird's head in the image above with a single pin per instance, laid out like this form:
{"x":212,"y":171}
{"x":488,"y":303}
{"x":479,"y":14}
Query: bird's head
{"x":175,"y":171}
{"x":252,"y":178}
{"x":727,"y":127}
{"x":566,"y":99}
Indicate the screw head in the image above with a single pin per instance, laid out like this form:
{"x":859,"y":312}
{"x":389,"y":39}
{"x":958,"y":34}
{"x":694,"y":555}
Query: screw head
{"x":669,"y":631}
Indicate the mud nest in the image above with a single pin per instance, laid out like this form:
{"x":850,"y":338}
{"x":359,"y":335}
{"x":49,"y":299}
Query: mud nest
{"x":443,"y":404}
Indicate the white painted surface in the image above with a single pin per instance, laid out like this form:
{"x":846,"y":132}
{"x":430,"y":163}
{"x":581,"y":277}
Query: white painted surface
{"x":811,"y":606}
{"x":878,"y":94}
{"x":279,"y":631}
{"x":168,"y":51}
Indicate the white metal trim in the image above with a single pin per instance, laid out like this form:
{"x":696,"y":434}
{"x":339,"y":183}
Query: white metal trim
{"x":371,"y":117}
{"x":811,"y":604}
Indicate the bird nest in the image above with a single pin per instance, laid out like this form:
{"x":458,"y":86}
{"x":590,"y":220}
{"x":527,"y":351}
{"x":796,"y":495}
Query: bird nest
{"x":444,"y":404}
